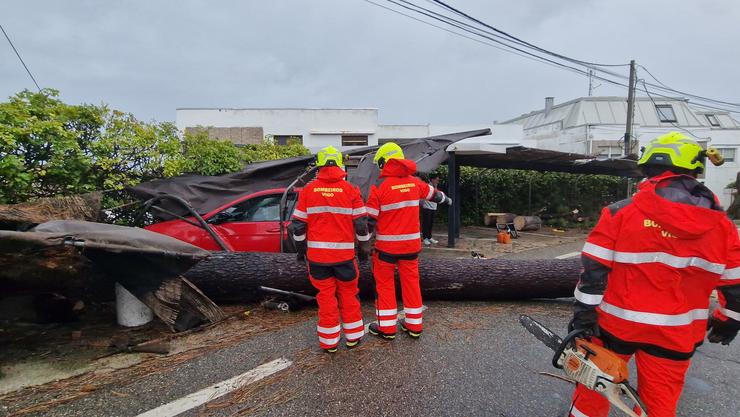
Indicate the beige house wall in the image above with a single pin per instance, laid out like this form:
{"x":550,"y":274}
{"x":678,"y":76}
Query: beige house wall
{"x":237,"y":135}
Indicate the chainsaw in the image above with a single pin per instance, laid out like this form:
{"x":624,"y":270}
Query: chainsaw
{"x":593,"y":366}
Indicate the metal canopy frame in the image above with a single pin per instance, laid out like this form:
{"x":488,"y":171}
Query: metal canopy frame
{"x":520,"y":157}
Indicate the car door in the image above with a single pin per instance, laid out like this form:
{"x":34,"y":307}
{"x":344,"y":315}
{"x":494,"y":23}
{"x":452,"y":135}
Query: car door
{"x":253,"y":225}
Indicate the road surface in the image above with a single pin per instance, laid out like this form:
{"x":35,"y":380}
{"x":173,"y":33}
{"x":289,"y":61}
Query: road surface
{"x":474,"y":359}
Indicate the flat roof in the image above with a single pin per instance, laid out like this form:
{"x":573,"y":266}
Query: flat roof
{"x":275,"y":108}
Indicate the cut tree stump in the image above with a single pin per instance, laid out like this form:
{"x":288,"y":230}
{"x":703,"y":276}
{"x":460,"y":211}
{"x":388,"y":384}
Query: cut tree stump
{"x":524,"y":223}
{"x":227,"y":277}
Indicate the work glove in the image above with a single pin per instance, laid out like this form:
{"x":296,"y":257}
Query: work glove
{"x":722,"y":331}
{"x":448,"y":201}
{"x":300,"y":247}
{"x":584,"y":318}
{"x":364,"y":249}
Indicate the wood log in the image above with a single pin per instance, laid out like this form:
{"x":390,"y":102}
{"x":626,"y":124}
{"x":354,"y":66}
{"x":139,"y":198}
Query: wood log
{"x":490,"y":219}
{"x":524,"y":223}
{"x":234,"y":277}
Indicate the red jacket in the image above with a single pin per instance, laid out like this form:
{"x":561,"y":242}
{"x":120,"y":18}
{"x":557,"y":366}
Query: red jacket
{"x":652,"y":262}
{"x":394,"y":205}
{"x":328,"y":216}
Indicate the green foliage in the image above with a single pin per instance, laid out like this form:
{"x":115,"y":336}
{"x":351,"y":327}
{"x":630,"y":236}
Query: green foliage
{"x":49,"y":148}
{"x":128,"y":152}
{"x":269,"y":150}
{"x":210,"y":157}
{"x":508,"y":190}
{"x":41,"y":152}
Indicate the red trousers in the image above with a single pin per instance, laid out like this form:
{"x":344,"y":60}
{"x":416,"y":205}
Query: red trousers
{"x":659,"y":385}
{"x":337,"y":298}
{"x":385,"y":286}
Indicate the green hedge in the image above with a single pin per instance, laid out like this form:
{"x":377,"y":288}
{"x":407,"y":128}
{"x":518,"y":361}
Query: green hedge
{"x":508,"y":190}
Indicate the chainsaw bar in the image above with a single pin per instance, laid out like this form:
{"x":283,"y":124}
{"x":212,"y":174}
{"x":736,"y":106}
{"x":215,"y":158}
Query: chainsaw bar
{"x":542,"y":333}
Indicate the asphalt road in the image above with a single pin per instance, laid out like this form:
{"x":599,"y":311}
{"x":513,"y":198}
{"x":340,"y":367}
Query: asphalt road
{"x":474,"y":359}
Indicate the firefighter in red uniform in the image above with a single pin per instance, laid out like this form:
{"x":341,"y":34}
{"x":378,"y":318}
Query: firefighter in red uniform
{"x":329,"y":216}
{"x":393,"y":208}
{"x":649,"y":268}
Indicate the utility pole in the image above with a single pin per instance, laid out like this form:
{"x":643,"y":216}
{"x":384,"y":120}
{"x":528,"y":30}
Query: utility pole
{"x":590,"y":82}
{"x":630,"y":109}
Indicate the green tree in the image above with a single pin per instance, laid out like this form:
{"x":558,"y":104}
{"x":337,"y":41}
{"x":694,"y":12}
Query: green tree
{"x":40,"y":146}
{"x":129,"y":151}
{"x":50,"y":148}
{"x":210,"y":157}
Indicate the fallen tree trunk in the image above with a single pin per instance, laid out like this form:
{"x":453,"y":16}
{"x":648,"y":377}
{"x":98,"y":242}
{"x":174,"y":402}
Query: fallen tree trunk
{"x":234,"y":277}
{"x":491,"y":219}
{"x":524,"y":223}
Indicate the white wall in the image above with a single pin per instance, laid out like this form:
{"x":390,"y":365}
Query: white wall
{"x":319,"y":127}
{"x":402,"y":131}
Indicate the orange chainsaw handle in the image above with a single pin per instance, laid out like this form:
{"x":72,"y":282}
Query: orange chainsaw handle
{"x":564,"y":345}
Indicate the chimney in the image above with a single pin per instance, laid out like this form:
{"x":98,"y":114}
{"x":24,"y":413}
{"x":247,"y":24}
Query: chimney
{"x":549,"y":101}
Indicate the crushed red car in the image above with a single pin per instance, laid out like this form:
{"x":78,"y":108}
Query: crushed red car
{"x":250,"y":223}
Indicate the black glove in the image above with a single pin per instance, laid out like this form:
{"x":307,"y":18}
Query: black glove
{"x":364,"y":249}
{"x":584,"y":318}
{"x":722,"y":331}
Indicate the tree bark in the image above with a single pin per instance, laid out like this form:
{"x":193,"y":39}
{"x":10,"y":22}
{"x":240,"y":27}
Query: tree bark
{"x":524,"y":223}
{"x":491,"y":219}
{"x":229,"y":277}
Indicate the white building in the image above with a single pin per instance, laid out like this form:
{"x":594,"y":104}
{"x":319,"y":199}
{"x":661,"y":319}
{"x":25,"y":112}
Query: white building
{"x":596,"y":125}
{"x":314,"y":128}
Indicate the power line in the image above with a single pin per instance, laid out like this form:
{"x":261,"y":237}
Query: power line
{"x":523,"y":42}
{"x":477,"y":32}
{"x":19,"y":57}
{"x":644,"y":86}
{"x":683,"y":93}
{"x":514,"y":45}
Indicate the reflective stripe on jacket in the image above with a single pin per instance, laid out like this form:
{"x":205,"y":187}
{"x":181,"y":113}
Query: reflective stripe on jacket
{"x":329,"y":216}
{"x":394,"y":204}
{"x":652,"y":262}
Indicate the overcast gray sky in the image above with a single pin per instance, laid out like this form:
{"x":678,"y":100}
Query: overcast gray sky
{"x":150,"y":57}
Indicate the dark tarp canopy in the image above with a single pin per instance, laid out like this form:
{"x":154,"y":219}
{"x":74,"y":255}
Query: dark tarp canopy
{"x":207,"y":193}
{"x":520,"y":157}
{"x":428,"y":153}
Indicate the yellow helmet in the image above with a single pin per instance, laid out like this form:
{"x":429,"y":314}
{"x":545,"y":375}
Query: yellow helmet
{"x":389,"y":150}
{"x":329,"y":156}
{"x":674,"y":149}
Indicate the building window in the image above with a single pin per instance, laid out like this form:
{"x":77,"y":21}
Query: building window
{"x":666,"y":113}
{"x":610,"y":151}
{"x":727,"y":153}
{"x":288,"y":139}
{"x":713,"y":120}
{"x":354,"y":140}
